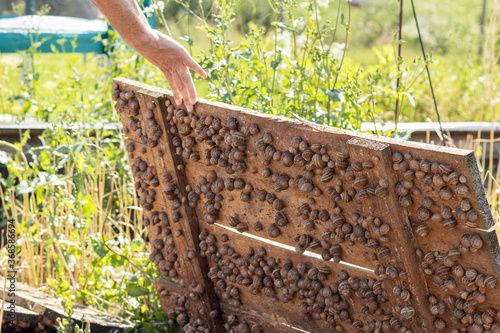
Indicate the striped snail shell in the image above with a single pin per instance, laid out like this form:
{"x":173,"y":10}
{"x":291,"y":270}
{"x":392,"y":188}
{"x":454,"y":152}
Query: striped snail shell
{"x":260,"y":144}
{"x":342,"y":165}
{"x":327,"y":175}
{"x":422,"y":229}
{"x":476,"y":242}
{"x":405,"y":201}
{"x":415,"y":164}
{"x":368,"y":165}
{"x":317,"y":161}
{"x":273,"y":231}
{"x":361,"y":182}
{"x":407,"y":313}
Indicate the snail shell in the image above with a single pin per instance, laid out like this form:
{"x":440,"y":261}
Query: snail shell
{"x":384,"y":182}
{"x":327,"y":175}
{"x":423,"y":214}
{"x":383,"y":252}
{"x":381,"y":192}
{"x":461,"y":189}
{"x":428,"y":179}
{"x":490,"y":282}
{"x":341,"y":165}
{"x":260,"y":144}
{"x":273,"y":231}
{"x":439,"y":324}
{"x":357,"y":167}
{"x":444,"y":169}
{"x":405,"y":201}
{"x":397,"y":157}
{"x":345,"y":196}
{"x":287,"y":159}
{"x":427,"y":202}
{"x":476,"y":242}
{"x":458,"y":271}
{"x":445,"y":193}
{"x":422,"y":230}
{"x":317,"y":161}
{"x":464,"y":204}
{"x":407,"y":313}
{"x":361,"y":182}
{"x":368,"y":165}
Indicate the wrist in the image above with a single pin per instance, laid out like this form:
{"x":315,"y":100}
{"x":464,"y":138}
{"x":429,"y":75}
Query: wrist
{"x":142,"y":39}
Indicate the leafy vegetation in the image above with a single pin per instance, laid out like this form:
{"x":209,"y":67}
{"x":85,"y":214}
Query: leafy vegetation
{"x":76,"y":212}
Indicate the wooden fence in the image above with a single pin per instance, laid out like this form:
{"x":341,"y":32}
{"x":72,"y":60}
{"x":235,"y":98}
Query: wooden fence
{"x":266,"y":224}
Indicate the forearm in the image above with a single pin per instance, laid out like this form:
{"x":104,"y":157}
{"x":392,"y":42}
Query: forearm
{"x":127,"y":18}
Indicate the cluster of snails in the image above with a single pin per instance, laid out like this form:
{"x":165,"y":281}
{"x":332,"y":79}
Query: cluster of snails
{"x":233,"y":325}
{"x":467,"y":283}
{"x":163,"y":251}
{"x":146,"y":180}
{"x":448,"y":183}
{"x":172,"y":192}
{"x":281,"y":281}
{"x":226,"y":143}
{"x":179,"y":313}
{"x":127,"y":103}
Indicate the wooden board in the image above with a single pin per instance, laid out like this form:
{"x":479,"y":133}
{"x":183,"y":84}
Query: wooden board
{"x":387,"y":210}
{"x":30,"y":301}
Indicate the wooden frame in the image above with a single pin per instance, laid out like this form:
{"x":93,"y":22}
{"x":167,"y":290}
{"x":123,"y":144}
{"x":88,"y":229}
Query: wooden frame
{"x":264,"y":223}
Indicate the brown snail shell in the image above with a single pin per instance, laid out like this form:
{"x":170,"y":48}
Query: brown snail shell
{"x":445,"y":193}
{"x":317,"y":161}
{"x":464,"y":204}
{"x":287,"y":159}
{"x":384,"y":182}
{"x":361,"y":182}
{"x":407,"y":313}
{"x":368,"y":165}
{"x":383,"y":252}
{"x":423,"y":214}
{"x":260,"y":144}
{"x":397,"y":157}
{"x":327,"y":175}
{"x":357,"y":167}
{"x":341,"y":165}
{"x":476,"y":242}
{"x":405,"y":201}
{"x":273,"y":231}
{"x":461,"y":189}
{"x":381,"y":192}
{"x":422,"y":229}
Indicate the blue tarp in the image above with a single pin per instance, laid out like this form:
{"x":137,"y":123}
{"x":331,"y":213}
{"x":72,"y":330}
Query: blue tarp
{"x":17,"y":33}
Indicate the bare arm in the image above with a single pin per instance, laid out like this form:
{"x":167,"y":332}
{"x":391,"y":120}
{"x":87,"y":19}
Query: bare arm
{"x":162,"y":51}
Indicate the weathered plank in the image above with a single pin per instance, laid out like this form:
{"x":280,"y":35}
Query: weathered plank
{"x":36,"y":301}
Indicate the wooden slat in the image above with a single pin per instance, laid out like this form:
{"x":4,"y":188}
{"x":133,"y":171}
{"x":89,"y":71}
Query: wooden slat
{"x":402,"y":258}
{"x":194,"y":270}
{"x":289,"y":313}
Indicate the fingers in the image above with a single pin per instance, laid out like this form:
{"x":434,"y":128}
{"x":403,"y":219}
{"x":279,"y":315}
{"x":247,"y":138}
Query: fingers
{"x":191,"y":63}
{"x":176,"y":91}
{"x":187,"y":81}
{"x":178,"y":82}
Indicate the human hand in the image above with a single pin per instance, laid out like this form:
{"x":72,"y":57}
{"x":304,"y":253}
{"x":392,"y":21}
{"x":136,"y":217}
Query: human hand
{"x":173,"y":60}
